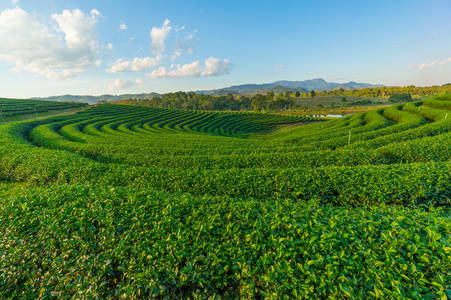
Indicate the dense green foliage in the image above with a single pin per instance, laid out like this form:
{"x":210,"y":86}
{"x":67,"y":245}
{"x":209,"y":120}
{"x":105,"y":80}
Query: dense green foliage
{"x":191,"y":100}
{"x":387,"y":91}
{"x":13,"y":107}
{"x":270,"y":101}
{"x":400,"y":98}
{"x":138,"y":202}
{"x":229,"y":102}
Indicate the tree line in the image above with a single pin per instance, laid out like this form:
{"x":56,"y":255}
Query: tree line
{"x":384,"y":91}
{"x":282,"y":101}
{"x":229,"y":102}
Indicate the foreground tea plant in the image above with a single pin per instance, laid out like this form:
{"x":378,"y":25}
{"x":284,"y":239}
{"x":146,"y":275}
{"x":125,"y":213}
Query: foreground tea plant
{"x":113,"y":242}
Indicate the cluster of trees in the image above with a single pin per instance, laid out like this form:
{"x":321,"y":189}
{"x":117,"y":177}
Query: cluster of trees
{"x":229,"y":102}
{"x":385,"y":91}
{"x":193,"y":101}
{"x":400,"y":98}
{"x":282,"y":101}
{"x":272,"y":102}
{"x":362,"y":102}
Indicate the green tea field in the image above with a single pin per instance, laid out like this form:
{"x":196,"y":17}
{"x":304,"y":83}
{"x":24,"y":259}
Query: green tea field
{"x":130,"y":202}
{"x":17,"y":107}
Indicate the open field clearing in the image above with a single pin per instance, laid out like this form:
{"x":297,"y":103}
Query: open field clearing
{"x":126,"y":202}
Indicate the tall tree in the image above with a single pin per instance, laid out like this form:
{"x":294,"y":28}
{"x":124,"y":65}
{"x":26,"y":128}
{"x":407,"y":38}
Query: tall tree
{"x":270,"y":95}
{"x":312,"y":93}
{"x":258,"y":102}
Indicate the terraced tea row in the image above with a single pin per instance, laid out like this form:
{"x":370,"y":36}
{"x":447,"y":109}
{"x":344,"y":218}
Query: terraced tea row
{"x":109,"y":141}
{"x":128,"y":201}
{"x":13,"y":107}
{"x":126,"y":140}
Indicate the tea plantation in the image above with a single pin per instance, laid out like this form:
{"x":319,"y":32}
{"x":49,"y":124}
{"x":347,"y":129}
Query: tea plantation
{"x":126,"y":202}
{"x":15,"y":107}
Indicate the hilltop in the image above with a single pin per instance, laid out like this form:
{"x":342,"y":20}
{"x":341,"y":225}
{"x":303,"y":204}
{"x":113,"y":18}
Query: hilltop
{"x":277,"y":87}
{"x":95,"y":99}
{"x":317,"y":84}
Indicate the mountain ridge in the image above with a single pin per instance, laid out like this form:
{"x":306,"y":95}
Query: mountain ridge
{"x":280,"y":86}
{"x":317,"y":84}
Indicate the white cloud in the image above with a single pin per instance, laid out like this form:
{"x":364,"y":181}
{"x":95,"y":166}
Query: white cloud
{"x":216,"y":67}
{"x":188,"y":70}
{"x":139,"y":81}
{"x":183,"y":46}
{"x":177,"y":28}
{"x":158,"y":36}
{"x":123,"y":26}
{"x":175,"y":56}
{"x":444,"y":62}
{"x":110,"y":46}
{"x":95,"y":12}
{"x":278,"y":67}
{"x":213,"y":67}
{"x":39,"y":48}
{"x":15,"y":2}
{"x":137,"y":64}
{"x":431,"y":64}
{"x":121,"y":84}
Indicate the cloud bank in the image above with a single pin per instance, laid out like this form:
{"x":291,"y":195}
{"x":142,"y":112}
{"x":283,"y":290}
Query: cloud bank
{"x":159,"y":36}
{"x":436,"y":63}
{"x":213,"y":67}
{"x":63,"y":49}
{"x":121,"y":84}
{"x":137,"y":64}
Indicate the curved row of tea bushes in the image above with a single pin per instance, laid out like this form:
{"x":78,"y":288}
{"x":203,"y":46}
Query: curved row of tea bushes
{"x":392,"y":184}
{"x":377,"y":130}
{"x":287,"y":157}
{"x":440,"y":102}
{"x":341,"y":126}
{"x":14,"y":107}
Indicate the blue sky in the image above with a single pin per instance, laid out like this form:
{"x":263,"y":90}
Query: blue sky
{"x":118,"y":47}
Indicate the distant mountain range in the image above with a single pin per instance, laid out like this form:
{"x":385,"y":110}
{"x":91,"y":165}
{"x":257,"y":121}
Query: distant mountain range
{"x":317,"y":84}
{"x":95,"y":99}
